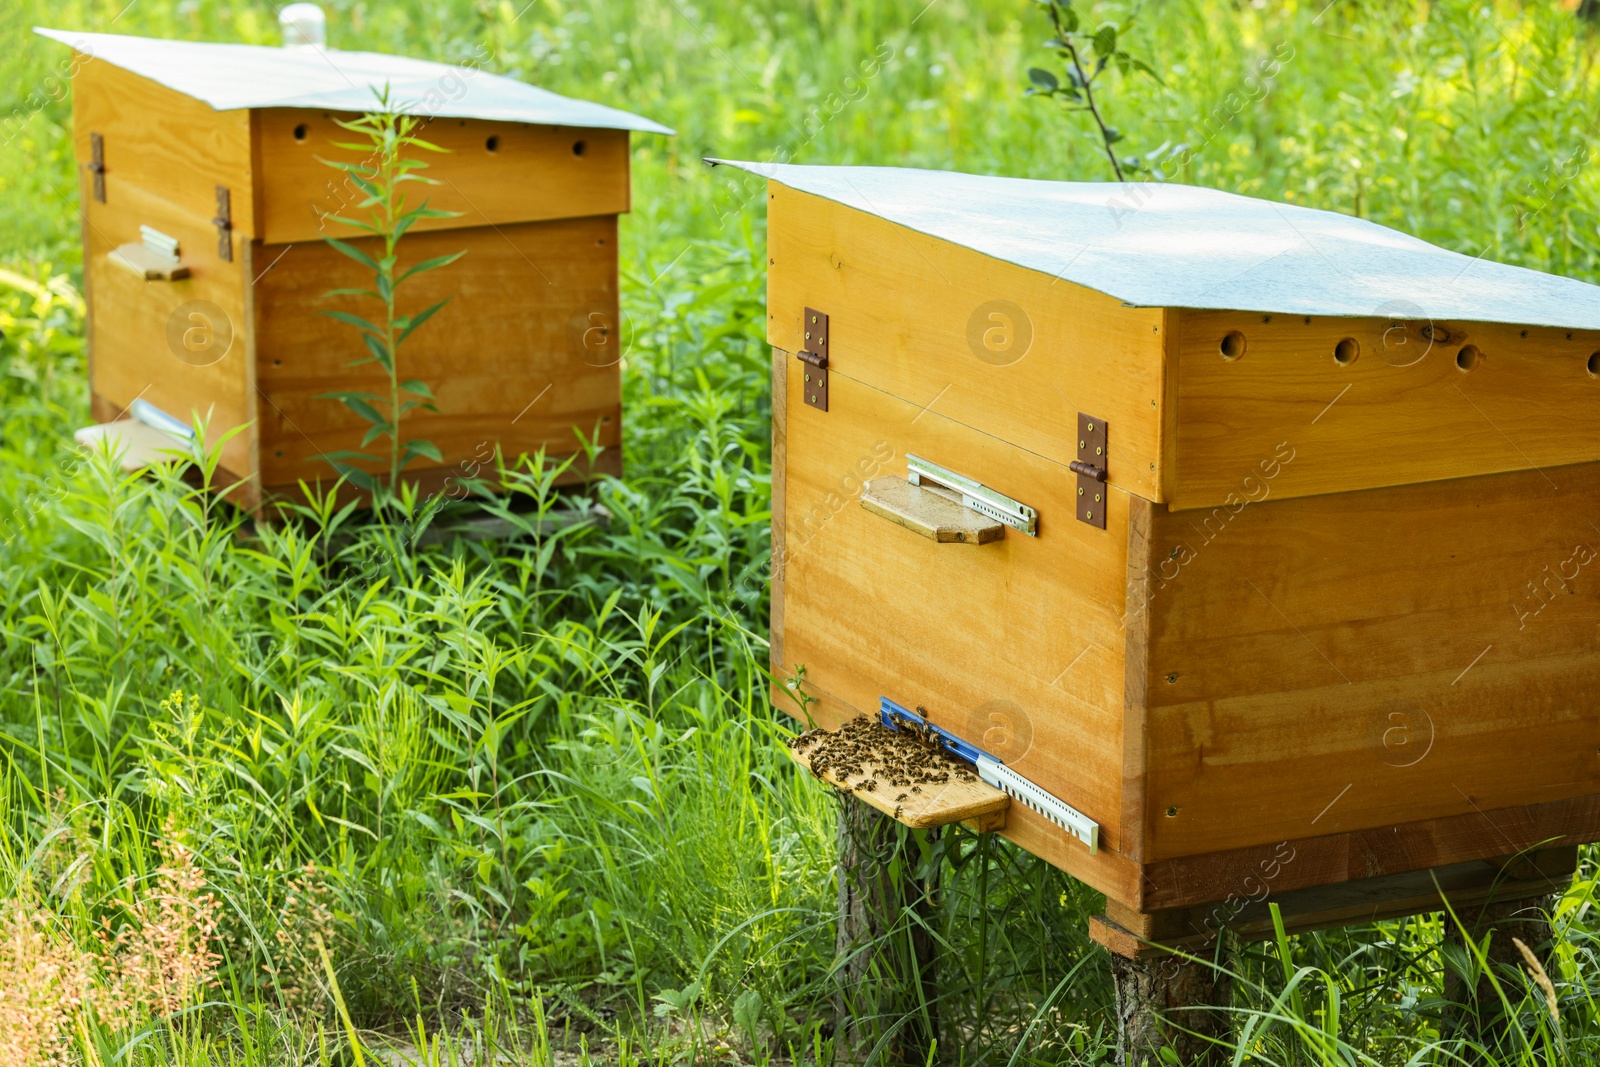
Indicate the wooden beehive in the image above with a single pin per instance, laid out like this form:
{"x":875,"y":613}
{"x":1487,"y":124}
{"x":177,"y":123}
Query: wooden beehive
{"x":1336,"y":620}
{"x":217,"y":149}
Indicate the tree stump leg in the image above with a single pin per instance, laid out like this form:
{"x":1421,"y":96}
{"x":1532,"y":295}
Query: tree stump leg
{"x":886,"y":1005}
{"x":1473,"y":1009}
{"x":1168,"y":1002}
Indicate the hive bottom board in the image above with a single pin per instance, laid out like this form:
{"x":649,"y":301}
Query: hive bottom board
{"x":1248,"y":916}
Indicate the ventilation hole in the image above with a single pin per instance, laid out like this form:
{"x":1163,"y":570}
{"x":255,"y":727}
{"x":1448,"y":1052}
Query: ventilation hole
{"x":1346,"y":351}
{"x":492,"y":144}
{"x":1594,"y":365}
{"x":578,"y":148}
{"x":1232,"y":346}
{"x":1468,"y":358}
{"x":300,"y":132}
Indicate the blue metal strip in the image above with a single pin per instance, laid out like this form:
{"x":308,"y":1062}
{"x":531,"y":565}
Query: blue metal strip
{"x":894,"y":716}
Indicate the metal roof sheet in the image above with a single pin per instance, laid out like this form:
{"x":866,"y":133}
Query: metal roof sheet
{"x":232,"y":76}
{"x":1170,"y":245}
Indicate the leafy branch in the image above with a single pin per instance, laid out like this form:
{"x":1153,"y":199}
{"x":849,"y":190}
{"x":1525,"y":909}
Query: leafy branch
{"x":1085,"y":56}
{"x":381,"y":176}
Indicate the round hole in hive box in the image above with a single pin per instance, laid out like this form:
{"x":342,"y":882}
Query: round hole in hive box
{"x":1594,"y":365}
{"x":492,"y":144}
{"x":1232,"y":346}
{"x":1346,"y":351}
{"x":1468,"y":358}
{"x":300,"y":132}
{"x":579,"y":147}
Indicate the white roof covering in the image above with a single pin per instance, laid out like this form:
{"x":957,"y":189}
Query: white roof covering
{"x":1169,"y":245}
{"x":231,"y":76}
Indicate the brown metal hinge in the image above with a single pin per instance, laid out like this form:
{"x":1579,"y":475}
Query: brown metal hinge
{"x":1090,"y":467}
{"x":815,"y":356}
{"x":97,"y":165}
{"x":224,"y":224}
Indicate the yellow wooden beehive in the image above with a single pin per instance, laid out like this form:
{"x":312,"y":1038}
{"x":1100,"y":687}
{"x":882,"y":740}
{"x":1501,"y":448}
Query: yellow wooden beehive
{"x":205,"y":204}
{"x":1329,"y":620}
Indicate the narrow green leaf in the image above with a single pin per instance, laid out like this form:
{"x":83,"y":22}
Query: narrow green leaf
{"x":376,"y":346}
{"x":366,"y":411}
{"x":426,"y":449}
{"x":417,"y":387}
{"x":353,"y":252}
{"x":358,"y":224}
{"x":432,"y":264}
{"x":418,"y":319}
{"x":353,"y":320}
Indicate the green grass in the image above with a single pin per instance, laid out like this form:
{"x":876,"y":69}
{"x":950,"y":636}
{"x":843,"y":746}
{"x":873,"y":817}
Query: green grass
{"x":538,"y":780}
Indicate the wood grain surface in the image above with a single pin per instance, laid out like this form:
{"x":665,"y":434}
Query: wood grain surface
{"x":1402,"y":412}
{"x":1005,"y":350}
{"x":527,"y":351}
{"x":1359,"y":660}
{"x":165,"y":143}
{"x":533,"y":173}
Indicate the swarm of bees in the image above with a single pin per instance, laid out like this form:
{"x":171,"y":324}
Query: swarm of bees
{"x":868,"y":754}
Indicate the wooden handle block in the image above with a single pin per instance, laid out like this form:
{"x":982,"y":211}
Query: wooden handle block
{"x":933,"y":512}
{"x":148,"y":264}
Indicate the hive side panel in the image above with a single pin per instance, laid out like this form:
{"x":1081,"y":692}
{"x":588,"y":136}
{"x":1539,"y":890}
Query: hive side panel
{"x":1367,"y":659}
{"x":1016,"y":645}
{"x":780,"y":462}
{"x":165,"y":143}
{"x":525,"y":352}
{"x":179,"y":345}
{"x":1398,"y":411}
{"x":532,"y":173}
{"x":1136,"y":673}
{"x":1011,"y":352}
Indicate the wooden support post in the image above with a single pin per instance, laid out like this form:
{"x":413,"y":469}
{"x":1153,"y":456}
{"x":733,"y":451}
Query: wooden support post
{"x":1168,"y":1003}
{"x":886,"y":1006}
{"x":1473,"y":1008}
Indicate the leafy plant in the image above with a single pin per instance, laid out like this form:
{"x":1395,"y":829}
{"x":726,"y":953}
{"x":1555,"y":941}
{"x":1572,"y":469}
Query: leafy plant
{"x":1085,"y":55}
{"x":389,"y":135}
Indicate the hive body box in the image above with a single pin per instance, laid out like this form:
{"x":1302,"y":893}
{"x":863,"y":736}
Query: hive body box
{"x":181,"y":136}
{"x":1340,"y":626}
